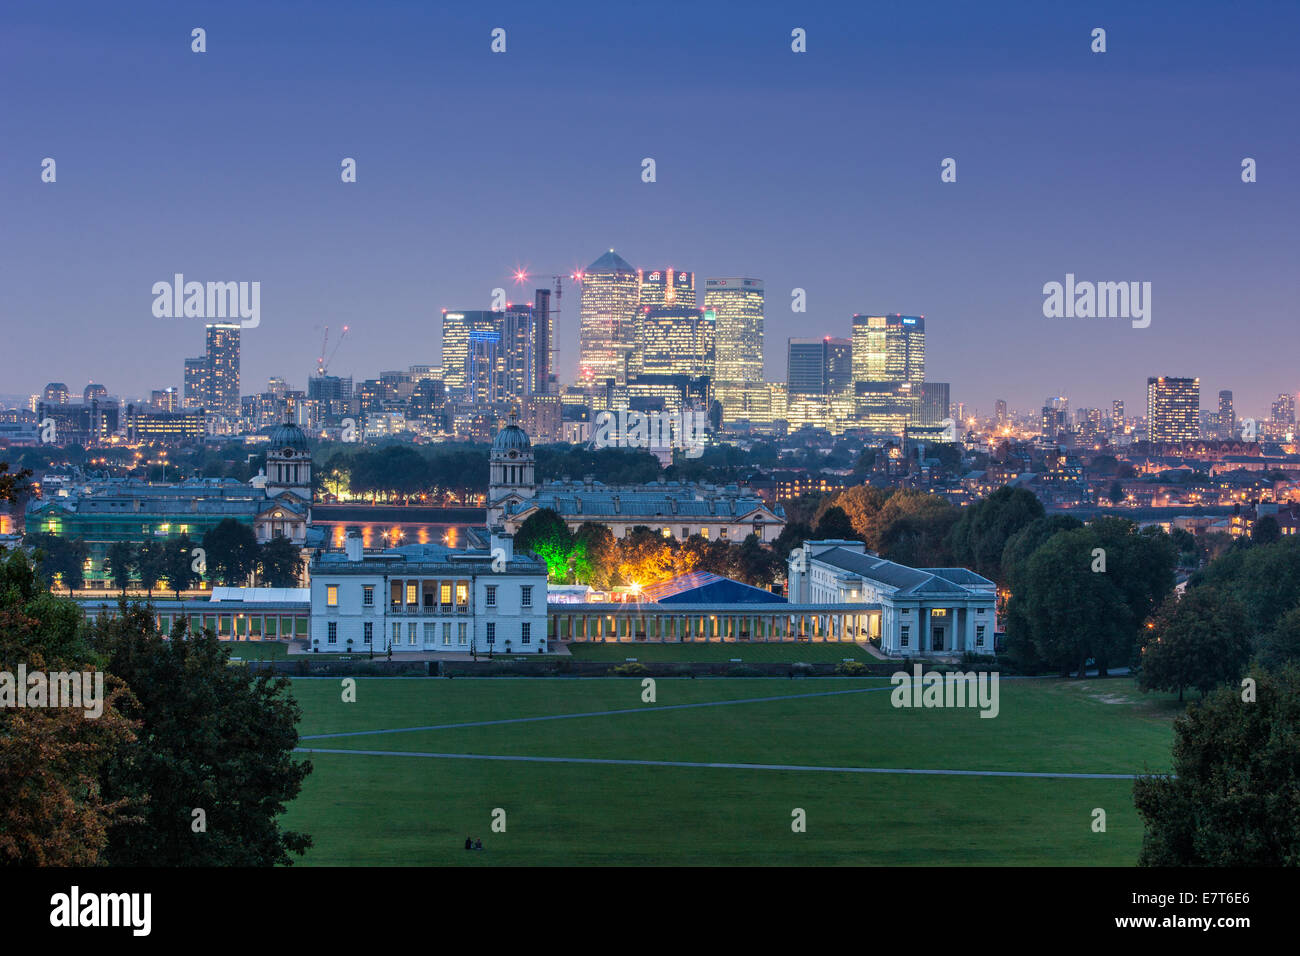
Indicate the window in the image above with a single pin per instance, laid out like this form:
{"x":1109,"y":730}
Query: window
{"x":332,"y":595}
{"x":445,"y":596}
{"x":704,"y":533}
{"x":491,"y":633}
{"x":686,"y":533}
{"x":410,"y":633}
{"x":979,"y":635}
{"x":397,"y":635}
{"x":430,"y":634}
{"x":526,"y":595}
{"x":491,"y":595}
{"x":367,"y":632}
{"x":462,"y":596}
{"x":333,"y":632}
{"x":412,"y":595}
{"x":525,"y":633}
{"x":460,"y":634}
{"x":905,"y":638}
{"x":446,"y":635}
{"x":722,"y":532}
{"x":368,"y":595}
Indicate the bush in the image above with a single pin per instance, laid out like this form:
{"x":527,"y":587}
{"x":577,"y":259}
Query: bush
{"x":801,"y":669}
{"x":851,"y":668}
{"x":630,"y":669}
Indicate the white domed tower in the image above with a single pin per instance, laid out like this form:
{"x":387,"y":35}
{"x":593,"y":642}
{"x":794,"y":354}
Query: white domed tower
{"x":510,"y":470}
{"x":288,"y":462}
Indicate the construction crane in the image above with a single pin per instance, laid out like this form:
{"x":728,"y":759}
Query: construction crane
{"x":557,"y":293}
{"x":323,"y":362}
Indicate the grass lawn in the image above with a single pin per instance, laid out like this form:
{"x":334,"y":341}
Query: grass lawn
{"x":714,"y":652}
{"x":365,"y":809}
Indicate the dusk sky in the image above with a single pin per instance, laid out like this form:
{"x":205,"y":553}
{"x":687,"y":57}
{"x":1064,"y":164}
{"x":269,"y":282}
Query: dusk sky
{"x":817,"y":170}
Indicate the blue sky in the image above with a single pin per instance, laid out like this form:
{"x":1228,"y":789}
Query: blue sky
{"x":818,"y":171}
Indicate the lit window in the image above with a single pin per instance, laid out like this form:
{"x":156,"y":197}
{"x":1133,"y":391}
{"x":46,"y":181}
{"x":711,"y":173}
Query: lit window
{"x":332,"y":595}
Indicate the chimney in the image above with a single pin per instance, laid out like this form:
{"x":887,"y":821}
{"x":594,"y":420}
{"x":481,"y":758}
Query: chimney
{"x":353,"y":546}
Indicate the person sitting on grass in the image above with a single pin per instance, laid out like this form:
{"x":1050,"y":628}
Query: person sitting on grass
{"x":478,"y":844}
{"x":469,"y":844}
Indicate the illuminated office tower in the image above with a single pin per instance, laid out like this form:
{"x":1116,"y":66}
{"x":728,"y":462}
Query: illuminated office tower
{"x":1227,"y":415}
{"x":667,"y":289}
{"x":675,"y":342}
{"x":1283,"y":412}
{"x":737,"y":304}
{"x":1000,"y":416}
{"x":1173,"y":409}
{"x":888,"y":354}
{"x":611,"y":291}
{"x":222,"y":372}
{"x":456,"y":328}
{"x":484,"y":367}
{"x":1117,"y":416}
{"x":518,"y":353}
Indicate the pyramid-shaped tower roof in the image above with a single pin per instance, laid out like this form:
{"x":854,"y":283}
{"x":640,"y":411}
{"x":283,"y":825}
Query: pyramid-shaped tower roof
{"x":611,"y":262}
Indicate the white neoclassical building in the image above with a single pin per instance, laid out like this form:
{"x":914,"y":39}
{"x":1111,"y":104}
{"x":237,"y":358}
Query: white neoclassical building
{"x":427,"y":597}
{"x":923,"y":611}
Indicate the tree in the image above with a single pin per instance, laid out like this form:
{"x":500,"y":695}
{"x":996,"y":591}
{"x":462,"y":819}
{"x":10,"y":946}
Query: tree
{"x":834,"y":524}
{"x":1233,"y":798}
{"x":913,"y":528}
{"x":279,"y":563}
{"x":231,"y":550}
{"x":546,"y":534}
{"x":120,"y":563}
{"x":178,"y":564}
{"x":1266,"y":530}
{"x":213,"y":737}
{"x":596,"y":555}
{"x":1066,"y":611}
{"x":1199,"y":641}
{"x":1282,"y":644}
{"x":150,"y":559}
{"x":981,"y":533}
{"x":792,"y":536}
{"x":1116,"y":492}
{"x":52,"y":810}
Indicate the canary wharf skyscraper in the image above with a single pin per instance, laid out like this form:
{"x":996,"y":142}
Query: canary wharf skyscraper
{"x":667,"y":289}
{"x":737,"y":304}
{"x":611,"y":291}
{"x":888,"y":370}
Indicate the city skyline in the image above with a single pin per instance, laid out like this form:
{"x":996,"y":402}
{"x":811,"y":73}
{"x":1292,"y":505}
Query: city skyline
{"x":1150,"y":191}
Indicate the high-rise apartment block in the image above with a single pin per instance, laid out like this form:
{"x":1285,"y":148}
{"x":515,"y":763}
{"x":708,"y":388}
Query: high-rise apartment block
{"x":1173,"y":409}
